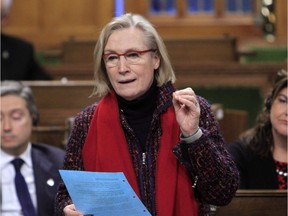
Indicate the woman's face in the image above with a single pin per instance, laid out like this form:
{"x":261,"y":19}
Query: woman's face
{"x":130,"y":80}
{"x":278,"y":113}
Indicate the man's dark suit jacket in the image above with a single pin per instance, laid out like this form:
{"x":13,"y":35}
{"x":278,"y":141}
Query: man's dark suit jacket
{"x":18,"y":61}
{"x":47,"y":160}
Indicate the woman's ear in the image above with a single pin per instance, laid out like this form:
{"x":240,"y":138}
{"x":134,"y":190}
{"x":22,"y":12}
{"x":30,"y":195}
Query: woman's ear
{"x":156,"y":62}
{"x":156,"y":66}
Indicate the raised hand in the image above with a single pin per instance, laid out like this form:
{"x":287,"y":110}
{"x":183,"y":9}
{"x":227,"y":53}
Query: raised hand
{"x":187,"y":111}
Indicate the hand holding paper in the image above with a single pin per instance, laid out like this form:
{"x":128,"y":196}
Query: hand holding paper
{"x":102,"y":193}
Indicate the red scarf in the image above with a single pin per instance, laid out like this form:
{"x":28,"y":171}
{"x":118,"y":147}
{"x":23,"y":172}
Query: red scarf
{"x":106,"y":150}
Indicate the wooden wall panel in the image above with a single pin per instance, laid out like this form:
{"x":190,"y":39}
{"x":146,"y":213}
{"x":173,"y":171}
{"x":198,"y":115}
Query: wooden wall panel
{"x":48,"y":23}
{"x":140,"y":7}
{"x":24,"y":17}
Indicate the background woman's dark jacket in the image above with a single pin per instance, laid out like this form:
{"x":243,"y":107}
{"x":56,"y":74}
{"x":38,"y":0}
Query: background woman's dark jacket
{"x":256,"y":172}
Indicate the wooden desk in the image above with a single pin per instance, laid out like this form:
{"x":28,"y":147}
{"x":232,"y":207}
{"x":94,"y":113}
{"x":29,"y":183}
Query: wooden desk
{"x":234,"y":123}
{"x":57,"y":101}
{"x":186,"y":52}
{"x":181,"y":51}
{"x":256,"y":203}
{"x":52,"y":135}
{"x":197,"y":74}
{"x":228,"y":75}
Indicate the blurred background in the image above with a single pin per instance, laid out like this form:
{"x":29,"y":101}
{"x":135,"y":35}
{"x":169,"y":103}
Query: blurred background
{"x":257,"y":24}
{"x":227,"y":50}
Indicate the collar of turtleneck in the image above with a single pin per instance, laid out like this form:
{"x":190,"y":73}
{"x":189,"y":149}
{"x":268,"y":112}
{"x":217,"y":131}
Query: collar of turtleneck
{"x":139,"y":112}
{"x":141,"y":107}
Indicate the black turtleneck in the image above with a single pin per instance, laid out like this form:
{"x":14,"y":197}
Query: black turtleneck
{"x":139,"y":112}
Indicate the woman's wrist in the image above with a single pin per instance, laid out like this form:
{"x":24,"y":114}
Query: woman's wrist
{"x":195,"y":136}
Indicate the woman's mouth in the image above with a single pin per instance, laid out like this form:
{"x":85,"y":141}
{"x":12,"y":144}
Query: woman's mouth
{"x":126,"y":81}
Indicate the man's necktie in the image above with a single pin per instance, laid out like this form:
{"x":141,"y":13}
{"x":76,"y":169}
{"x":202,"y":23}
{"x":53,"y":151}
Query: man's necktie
{"x":22,"y":190}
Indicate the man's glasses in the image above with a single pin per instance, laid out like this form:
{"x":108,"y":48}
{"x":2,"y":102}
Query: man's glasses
{"x":131,"y":56}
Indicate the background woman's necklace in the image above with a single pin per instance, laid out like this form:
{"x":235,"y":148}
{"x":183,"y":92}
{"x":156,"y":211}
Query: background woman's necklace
{"x":281,"y":173}
{"x":281,"y":170}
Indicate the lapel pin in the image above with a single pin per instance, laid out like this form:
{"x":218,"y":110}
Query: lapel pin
{"x":50,"y":182}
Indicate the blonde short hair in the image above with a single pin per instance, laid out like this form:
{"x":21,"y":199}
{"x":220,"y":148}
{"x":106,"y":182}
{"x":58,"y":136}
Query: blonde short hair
{"x":163,"y":74}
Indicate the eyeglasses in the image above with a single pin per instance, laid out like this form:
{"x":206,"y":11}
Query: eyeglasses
{"x":131,"y":56}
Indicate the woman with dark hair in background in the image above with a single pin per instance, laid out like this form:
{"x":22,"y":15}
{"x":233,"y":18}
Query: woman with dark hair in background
{"x":261,"y":152}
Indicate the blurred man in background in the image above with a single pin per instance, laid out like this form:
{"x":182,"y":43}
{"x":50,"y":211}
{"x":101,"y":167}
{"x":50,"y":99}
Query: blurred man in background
{"x":29,"y":171}
{"x":17,"y":55}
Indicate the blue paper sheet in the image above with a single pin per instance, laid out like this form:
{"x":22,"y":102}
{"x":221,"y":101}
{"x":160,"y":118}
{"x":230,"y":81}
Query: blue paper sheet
{"x":102,"y":193}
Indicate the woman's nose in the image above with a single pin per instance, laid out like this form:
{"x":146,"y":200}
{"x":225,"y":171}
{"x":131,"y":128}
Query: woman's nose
{"x":122,"y":64}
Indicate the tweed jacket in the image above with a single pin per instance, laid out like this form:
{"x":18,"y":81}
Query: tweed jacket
{"x":207,"y":160}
